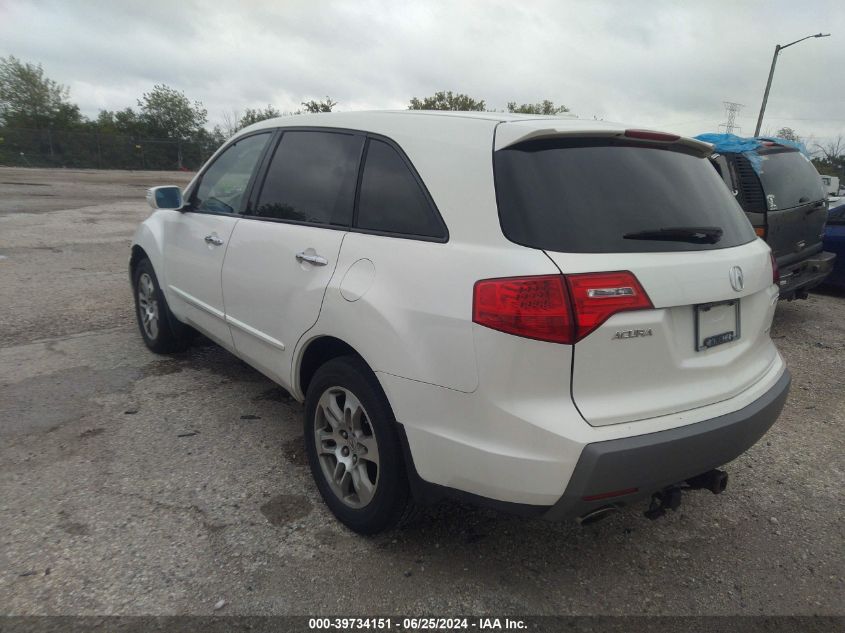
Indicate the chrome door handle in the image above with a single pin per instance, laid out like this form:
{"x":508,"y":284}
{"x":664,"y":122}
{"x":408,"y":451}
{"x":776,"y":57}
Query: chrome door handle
{"x":311,"y":258}
{"x":213,"y":239}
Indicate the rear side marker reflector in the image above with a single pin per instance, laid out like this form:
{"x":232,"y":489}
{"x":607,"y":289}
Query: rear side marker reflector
{"x":555,"y":308}
{"x":608,"y":495}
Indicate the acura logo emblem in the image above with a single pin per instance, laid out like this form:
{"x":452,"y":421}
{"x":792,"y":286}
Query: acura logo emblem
{"x":737,"y":282}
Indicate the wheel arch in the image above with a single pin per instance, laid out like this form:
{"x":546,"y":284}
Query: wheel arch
{"x":147,"y":243}
{"x":137,"y":254}
{"x":314,"y":353}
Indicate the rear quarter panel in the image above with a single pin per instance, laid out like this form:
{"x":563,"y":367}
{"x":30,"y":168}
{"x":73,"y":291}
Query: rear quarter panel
{"x":413,"y":317}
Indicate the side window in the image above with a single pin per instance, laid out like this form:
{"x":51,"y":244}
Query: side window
{"x":311,"y":178}
{"x":224,"y":184}
{"x":391,"y":199}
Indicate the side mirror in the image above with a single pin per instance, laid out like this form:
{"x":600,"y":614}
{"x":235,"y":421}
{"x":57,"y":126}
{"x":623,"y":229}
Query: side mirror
{"x":165,"y":197}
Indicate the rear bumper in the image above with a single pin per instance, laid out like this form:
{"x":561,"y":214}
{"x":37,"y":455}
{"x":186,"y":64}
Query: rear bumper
{"x":651,"y":462}
{"x":805,"y":274}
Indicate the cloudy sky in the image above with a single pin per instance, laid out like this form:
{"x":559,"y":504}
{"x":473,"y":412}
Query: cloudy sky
{"x":667,"y":64}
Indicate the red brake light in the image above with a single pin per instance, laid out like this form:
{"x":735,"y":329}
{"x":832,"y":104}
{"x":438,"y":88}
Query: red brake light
{"x":775,"y":269}
{"x":533,"y":307}
{"x":598,"y":296}
{"x":556,"y":308}
{"x":648,"y":135}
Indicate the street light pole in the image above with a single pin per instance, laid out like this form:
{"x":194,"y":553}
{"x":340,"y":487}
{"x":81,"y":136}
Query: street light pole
{"x":778,"y":49}
{"x":766,"y":94}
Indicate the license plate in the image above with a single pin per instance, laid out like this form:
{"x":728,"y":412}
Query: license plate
{"x":716,"y":324}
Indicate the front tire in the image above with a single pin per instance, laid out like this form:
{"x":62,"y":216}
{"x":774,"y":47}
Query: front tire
{"x":353,"y":448}
{"x":161,"y":331}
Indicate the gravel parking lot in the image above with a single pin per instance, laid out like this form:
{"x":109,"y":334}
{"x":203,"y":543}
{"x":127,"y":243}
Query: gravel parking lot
{"x":137,"y":484}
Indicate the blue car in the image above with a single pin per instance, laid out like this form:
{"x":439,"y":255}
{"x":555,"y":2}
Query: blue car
{"x":834,"y":242}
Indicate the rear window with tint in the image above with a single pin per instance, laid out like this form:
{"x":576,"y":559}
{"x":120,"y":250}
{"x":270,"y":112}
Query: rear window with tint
{"x":583,"y":196}
{"x":789,"y":179}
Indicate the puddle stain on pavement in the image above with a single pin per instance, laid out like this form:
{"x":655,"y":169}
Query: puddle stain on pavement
{"x":283,"y":509}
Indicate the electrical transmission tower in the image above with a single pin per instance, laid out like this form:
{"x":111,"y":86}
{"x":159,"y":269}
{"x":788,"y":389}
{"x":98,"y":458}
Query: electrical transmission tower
{"x":731,"y":109}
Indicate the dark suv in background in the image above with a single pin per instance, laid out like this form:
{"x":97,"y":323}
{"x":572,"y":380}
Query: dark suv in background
{"x":783,"y":196}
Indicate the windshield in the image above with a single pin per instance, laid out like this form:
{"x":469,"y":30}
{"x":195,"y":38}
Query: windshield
{"x":586,"y":195}
{"x":789,"y":179}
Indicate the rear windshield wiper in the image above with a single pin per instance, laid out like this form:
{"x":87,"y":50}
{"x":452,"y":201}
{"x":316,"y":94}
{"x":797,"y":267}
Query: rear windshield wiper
{"x":693,"y":234}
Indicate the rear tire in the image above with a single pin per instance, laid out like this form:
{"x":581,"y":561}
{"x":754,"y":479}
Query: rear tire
{"x":161,"y":331}
{"x":353,"y":447}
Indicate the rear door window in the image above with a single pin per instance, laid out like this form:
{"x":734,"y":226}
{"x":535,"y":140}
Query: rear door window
{"x":311,"y":178}
{"x":391,"y":199}
{"x":789,"y":179}
{"x":586,"y":196}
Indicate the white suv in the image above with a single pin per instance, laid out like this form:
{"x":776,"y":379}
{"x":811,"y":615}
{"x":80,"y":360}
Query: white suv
{"x":553,"y":316}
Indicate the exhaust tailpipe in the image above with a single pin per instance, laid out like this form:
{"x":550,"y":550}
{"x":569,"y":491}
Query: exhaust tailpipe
{"x":713,"y":480}
{"x":596,"y":515}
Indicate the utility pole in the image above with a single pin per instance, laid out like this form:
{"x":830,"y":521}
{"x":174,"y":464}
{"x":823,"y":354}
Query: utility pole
{"x":778,"y":49}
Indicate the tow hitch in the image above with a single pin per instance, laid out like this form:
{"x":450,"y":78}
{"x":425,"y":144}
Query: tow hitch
{"x":670,"y":498}
{"x":667,"y":498}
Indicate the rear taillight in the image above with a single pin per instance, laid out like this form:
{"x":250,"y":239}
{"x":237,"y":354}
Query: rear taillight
{"x":760,"y":231}
{"x":598,"y":296}
{"x":555,"y":308}
{"x":775,"y":269}
{"x":532,"y":307}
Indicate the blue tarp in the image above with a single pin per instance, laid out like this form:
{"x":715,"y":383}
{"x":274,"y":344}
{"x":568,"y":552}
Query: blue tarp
{"x":747,"y":146}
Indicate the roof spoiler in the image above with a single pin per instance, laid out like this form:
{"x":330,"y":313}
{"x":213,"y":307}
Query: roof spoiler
{"x":651,"y":137}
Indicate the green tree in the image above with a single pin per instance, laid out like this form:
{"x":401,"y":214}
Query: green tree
{"x":789,"y":134}
{"x":168,"y":113}
{"x":125,"y":122}
{"x":447,"y":101}
{"x":217,"y":136}
{"x":318,"y":106}
{"x":254,"y":115}
{"x":544,"y":107}
{"x":29,"y":99}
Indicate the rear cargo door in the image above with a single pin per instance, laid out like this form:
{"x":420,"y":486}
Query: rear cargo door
{"x":795,"y":201}
{"x":667,"y":218}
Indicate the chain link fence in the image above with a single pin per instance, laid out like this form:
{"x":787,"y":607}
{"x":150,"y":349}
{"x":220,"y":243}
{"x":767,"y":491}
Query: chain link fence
{"x":91,"y":150}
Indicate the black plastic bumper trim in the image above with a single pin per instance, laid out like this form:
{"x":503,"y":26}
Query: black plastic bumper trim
{"x":648,"y":462}
{"x":653,"y":461}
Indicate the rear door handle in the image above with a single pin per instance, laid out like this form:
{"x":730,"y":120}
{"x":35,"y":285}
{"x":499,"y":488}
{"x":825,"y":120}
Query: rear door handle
{"x":213,"y":239}
{"x":311,"y":258}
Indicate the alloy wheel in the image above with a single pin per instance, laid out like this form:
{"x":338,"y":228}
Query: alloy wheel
{"x":148,"y":306}
{"x":346,"y":447}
